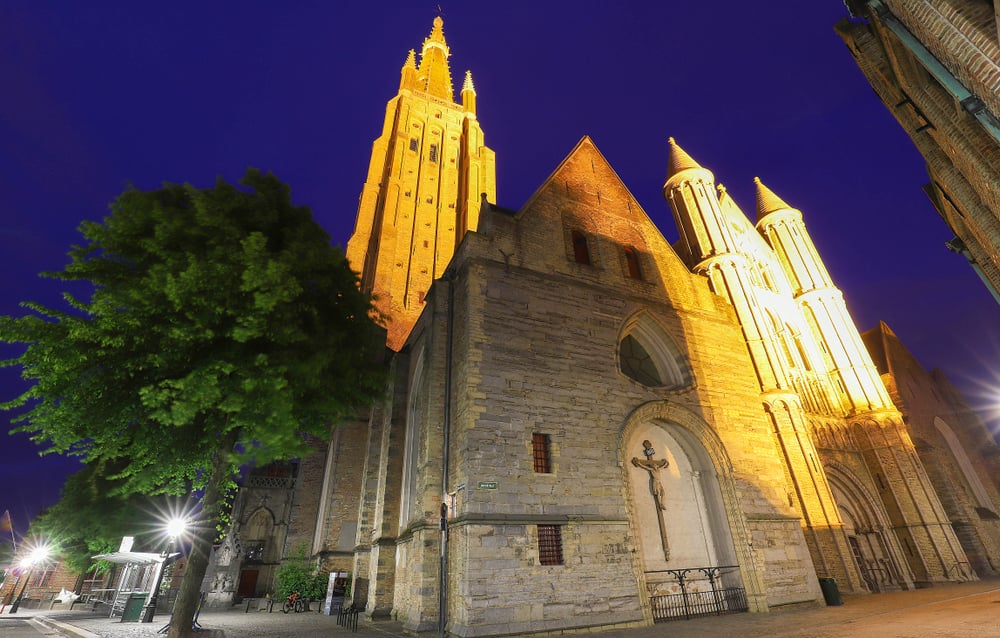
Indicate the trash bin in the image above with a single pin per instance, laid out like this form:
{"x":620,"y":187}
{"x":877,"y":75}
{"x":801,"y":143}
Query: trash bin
{"x":133,"y":606}
{"x":831,"y":594}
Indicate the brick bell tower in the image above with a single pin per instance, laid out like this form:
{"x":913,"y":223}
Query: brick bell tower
{"x":428,"y":171}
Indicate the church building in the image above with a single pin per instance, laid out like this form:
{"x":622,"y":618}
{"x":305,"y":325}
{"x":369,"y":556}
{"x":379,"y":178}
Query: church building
{"x":587,"y":426}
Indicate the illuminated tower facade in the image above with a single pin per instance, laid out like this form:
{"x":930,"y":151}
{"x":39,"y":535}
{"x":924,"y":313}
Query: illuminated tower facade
{"x":718,"y":242}
{"x":853,"y":473}
{"x":429,"y":170}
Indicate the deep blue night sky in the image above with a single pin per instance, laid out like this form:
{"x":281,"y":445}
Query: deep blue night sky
{"x":99,"y":96}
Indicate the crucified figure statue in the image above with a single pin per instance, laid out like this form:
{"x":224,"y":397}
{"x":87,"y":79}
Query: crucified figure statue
{"x":653,"y":466}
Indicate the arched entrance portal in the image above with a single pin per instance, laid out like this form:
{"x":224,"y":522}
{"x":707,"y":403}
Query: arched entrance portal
{"x":677,"y":509}
{"x":257,"y":532}
{"x":876,"y":551}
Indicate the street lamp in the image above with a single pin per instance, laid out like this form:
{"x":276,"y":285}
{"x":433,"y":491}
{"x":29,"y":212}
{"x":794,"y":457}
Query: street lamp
{"x":175,"y":527}
{"x":19,"y":574}
{"x":37,"y":555}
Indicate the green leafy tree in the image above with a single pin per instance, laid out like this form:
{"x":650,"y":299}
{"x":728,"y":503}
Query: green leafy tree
{"x":219,"y":328}
{"x":297,"y":574}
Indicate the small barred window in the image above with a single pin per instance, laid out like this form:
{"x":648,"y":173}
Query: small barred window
{"x":550,"y":545}
{"x":581,"y":252}
{"x":540,"y":453}
{"x":632,"y":261}
{"x":253,"y":552}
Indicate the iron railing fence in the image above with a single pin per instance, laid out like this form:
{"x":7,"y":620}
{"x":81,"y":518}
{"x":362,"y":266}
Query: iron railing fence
{"x":716,"y":601}
{"x":688,"y":605}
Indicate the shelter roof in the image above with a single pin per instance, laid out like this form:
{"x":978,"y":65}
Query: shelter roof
{"x":134,"y":558}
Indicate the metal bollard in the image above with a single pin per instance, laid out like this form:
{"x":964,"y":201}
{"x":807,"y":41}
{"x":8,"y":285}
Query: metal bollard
{"x":348,"y":617}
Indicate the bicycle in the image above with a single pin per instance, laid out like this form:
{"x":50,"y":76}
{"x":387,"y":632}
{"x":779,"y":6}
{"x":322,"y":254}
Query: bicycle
{"x":294,"y":603}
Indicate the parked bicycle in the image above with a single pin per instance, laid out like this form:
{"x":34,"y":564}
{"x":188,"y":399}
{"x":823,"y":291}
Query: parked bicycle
{"x":295,"y":603}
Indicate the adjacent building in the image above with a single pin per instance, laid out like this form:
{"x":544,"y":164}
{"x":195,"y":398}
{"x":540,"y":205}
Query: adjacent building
{"x":936,"y":66}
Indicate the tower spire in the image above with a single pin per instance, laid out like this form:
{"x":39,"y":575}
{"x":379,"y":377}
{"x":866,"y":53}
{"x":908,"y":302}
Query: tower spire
{"x":850,"y":364}
{"x":469,"y":94}
{"x":678,"y":160}
{"x":767,"y":201}
{"x":434,"y":73}
{"x":408,"y":76}
{"x":421,"y":196}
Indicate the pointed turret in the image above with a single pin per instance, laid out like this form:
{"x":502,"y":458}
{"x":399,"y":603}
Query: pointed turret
{"x":690,"y":190}
{"x":794,"y":248}
{"x":852,"y":367}
{"x":408,"y":76}
{"x":708,"y":244}
{"x":679,"y":160}
{"x":767,"y":201}
{"x":434,"y":74}
{"x":469,"y":94}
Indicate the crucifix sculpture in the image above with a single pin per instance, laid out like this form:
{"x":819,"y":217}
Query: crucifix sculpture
{"x":653,"y":466}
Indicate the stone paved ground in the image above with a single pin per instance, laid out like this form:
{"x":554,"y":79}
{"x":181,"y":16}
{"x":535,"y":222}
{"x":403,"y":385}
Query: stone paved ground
{"x":967,"y":610}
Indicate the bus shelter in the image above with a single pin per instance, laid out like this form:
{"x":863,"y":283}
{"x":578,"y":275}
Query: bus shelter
{"x":138,"y":580}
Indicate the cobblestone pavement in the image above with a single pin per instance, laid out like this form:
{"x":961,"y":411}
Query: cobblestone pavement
{"x":966,"y":610}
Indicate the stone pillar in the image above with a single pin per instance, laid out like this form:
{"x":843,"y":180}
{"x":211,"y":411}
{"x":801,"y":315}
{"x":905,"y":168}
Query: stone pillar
{"x":821,"y":522}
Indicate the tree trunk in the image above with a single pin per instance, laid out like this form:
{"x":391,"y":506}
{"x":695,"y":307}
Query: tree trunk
{"x":205,"y":532}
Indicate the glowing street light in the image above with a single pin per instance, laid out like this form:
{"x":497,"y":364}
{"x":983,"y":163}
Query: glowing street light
{"x":37,"y":556}
{"x":174,"y":528}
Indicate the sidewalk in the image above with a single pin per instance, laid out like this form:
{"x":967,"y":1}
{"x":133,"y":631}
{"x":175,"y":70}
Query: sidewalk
{"x":965,"y":610}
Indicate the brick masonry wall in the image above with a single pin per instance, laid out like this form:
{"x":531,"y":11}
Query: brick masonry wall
{"x":963,"y":159}
{"x":924,"y":399}
{"x":306,"y":500}
{"x":962,"y":36}
{"x":342,"y":490}
{"x":41,"y":588}
{"x":537,"y":352}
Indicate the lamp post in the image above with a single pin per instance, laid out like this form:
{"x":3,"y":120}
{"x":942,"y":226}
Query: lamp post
{"x":10,"y":594}
{"x":37,"y":555}
{"x":175,"y":528}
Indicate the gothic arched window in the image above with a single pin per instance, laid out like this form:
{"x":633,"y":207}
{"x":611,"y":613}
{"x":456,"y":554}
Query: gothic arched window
{"x":648,"y":355}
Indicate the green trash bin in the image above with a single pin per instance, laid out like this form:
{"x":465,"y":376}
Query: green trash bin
{"x":133,"y":606}
{"x":831,"y":593}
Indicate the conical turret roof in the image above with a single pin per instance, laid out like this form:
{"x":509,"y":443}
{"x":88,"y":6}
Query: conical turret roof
{"x":767,"y":201}
{"x":467,"y":85}
{"x":411,"y":60}
{"x":678,"y":160}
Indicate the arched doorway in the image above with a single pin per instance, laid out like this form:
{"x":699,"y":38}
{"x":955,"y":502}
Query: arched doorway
{"x":876,"y":551}
{"x":677,"y":509}
{"x":258,"y":538}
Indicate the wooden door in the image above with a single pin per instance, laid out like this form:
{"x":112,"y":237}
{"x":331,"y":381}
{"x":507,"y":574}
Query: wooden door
{"x":248,"y":583}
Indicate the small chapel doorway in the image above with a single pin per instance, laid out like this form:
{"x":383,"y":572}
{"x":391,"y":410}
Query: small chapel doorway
{"x":248,"y":583}
{"x":875,"y":553}
{"x":258,"y":542}
{"x":676,"y":508}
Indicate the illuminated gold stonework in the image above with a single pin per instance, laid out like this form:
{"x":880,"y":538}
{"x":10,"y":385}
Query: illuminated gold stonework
{"x":427,"y":174}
